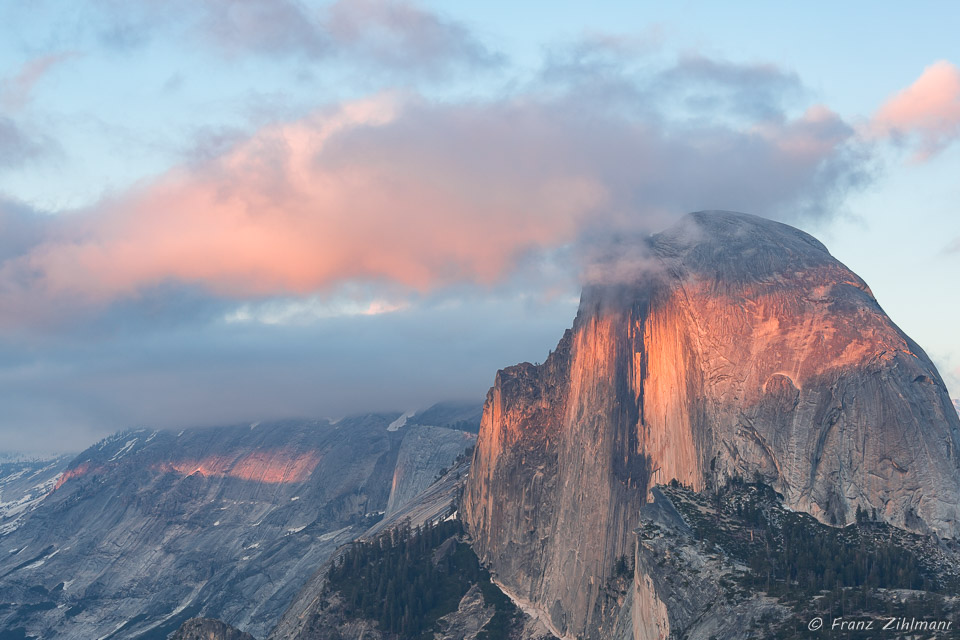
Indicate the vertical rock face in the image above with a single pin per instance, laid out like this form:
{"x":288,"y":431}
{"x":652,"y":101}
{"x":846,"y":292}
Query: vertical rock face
{"x":424,"y":454}
{"x":742,"y":346}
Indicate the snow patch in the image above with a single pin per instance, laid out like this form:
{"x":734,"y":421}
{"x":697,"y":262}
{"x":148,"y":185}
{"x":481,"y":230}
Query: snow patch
{"x":41,"y":561}
{"x":333,"y":534}
{"x":14,"y":510}
{"x":399,"y":422}
{"x":125,"y":449}
{"x":115,"y":629}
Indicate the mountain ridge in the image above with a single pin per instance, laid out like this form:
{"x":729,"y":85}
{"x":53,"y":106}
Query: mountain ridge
{"x":726,"y":345}
{"x":146,"y":529}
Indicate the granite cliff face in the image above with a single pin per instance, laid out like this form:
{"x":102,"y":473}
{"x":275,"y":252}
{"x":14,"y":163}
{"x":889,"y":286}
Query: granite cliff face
{"x":740,"y":346}
{"x":425,"y":454}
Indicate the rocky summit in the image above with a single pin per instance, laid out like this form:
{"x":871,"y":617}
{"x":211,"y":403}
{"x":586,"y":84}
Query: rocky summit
{"x":727,"y":346}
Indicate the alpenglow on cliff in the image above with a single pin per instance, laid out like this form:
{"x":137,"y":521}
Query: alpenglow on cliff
{"x":742,"y":346}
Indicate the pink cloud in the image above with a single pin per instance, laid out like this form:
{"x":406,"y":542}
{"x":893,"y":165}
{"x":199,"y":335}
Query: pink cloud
{"x":926,"y":113}
{"x":413,"y":196}
{"x":286,"y":212}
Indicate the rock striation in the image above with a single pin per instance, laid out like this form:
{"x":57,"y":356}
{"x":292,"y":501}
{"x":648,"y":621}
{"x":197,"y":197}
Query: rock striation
{"x":727,"y":345}
{"x":424,"y":455}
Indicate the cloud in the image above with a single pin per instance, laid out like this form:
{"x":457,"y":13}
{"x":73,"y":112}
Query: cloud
{"x":306,"y":311}
{"x":400,"y":36}
{"x":754,"y":91}
{"x":21,"y":229}
{"x":263,"y":26}
{"x":74,"y":389}
{"x":402,"y":192}
{"x":925,"y":115}
{"x":17,"y":147}
{"x":16,"y":92}
{"x":388,"y":35}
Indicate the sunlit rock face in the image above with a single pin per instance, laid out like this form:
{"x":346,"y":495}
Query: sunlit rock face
{"x":726,"y":345}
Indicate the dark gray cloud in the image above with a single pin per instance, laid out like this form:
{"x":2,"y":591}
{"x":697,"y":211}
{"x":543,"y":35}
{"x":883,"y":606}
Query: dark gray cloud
{"x":84,"y":387}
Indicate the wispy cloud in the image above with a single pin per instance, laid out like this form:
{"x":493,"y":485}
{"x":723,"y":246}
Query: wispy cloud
{"x":305,"y":311}
{"x":15,"y":92}
{"x":389,"y":35}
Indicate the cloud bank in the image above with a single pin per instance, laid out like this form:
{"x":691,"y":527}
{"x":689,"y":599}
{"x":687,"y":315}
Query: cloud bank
{"x":422,"y":194}
{"x":418,"y":204}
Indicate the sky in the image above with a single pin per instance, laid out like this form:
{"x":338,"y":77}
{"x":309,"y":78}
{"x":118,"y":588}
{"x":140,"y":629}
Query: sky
{"x":216,"y":211}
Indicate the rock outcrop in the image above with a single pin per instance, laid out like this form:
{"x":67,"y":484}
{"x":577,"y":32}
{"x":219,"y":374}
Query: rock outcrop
{"x":727,"y":345}
{"x":208,"y":629}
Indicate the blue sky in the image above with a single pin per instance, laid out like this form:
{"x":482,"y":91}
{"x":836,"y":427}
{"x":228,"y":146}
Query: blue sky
{"x":222,"y":210}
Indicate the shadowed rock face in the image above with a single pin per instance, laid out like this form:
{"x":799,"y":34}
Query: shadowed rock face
{"x":739,"y":345}
{"x":424,"y":454}
{"x":149,"y":528}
